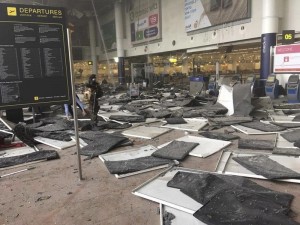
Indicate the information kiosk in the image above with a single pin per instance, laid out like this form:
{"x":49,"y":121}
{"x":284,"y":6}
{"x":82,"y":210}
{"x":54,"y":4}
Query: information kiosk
{"x":293,"y":94}
{"x":272,"y":87}
{"x":212,"y":84}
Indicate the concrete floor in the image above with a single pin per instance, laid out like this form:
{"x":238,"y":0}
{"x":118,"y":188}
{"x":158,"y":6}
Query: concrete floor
{"x":52,"y":193}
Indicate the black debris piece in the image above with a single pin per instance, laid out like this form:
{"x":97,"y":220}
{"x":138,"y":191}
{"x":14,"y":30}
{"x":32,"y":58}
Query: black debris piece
{"x":286,"y":151}
{"x":291,"y":136}
{"x":256,"y":144}
{"x":263,"y":165}
{"x":129,"y":119}
{"x":263,"y":126}
{"x":26,"y":158}
{"x":167,"y":218}
{"x":202,"y":187}
{"x":101,"y":144}
{"x":114,"y":125}
{"x":187,"y":102}
{"x":133,"y":165}
{"x":229,"y":120}
{"x":50,"y":128}
{"x":219,"y":136}
{"x":175,"y":120}
{"x":35,"y":125}
{"x":25,"y":134}
{"x":264,"y":104}
{"x":242,"y":99}
{"x":241,"y":207}
{"x":287,"y":125}
{"x":177,"y":150}
{"x":57,"y":135}
{"x":297,"y":144}
{"x":161,"y":114}
{"x":217,"y":108}
{"x":297,"y":118}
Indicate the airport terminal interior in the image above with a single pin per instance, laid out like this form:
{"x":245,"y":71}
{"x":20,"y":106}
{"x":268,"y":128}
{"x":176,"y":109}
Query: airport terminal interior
{"x":145,"y":112}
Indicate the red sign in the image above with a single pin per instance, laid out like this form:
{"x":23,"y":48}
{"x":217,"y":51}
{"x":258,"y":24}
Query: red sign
{"x":153,"y":19}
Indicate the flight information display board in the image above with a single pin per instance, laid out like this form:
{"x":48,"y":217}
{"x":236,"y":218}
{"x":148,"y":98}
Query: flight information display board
{"x":34,"y":60}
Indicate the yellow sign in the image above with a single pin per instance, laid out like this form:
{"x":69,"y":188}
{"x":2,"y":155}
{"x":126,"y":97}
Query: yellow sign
{"x":11,"y":11}
{"x":36,"y":98}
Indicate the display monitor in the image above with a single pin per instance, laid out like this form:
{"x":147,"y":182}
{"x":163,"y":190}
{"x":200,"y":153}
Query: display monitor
{"x":294,"y":79}
{"x":271,"y":79}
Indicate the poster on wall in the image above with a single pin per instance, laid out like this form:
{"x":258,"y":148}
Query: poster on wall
{"x":144,"y":16}
{"x":200,"y":14}
{"x":34,"y":62}
{"x":287,"y":59}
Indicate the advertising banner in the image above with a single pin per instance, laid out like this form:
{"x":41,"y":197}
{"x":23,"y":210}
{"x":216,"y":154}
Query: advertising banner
{"x":34,"y":60}
{"x":287,"y":59}
{"x":144,"y":18}
{"x":199,"y":14}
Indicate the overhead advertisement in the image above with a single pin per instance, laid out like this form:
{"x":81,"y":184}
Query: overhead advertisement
{"x":287,"y":59}
{"x":200,"y":14}
{"x":144,"y":18}
{"x":34,"y":61}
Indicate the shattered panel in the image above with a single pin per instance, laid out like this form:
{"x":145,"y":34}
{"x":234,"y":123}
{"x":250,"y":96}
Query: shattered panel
{"x":263,"y":126}
{"x":291,"y":136}
{"x":256,"y":144}
{"x":286,"y":151}
{"x":175,"y":120}
{"x":133,"y":165}
{"x":263,"y":165}
{"x":34,"y":156}
{"x":219,"y":136}
{"x":240,"y":207}
{"x":129,"y":119}
{"x":230,"y":120}
{"x":242,"y":99}
{"x":177,"y":150}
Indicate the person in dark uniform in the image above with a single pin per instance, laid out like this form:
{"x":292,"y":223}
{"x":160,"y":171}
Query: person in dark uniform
{"x":96,"y":92}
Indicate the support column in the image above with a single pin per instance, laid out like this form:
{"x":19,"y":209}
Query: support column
{"x":93,"y":46}
{"x":270,"y":19}
{"x":119,"y":40}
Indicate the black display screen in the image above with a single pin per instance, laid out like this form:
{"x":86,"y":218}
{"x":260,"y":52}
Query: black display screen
{"x":293,"y":79}
{"x":34,"y":60}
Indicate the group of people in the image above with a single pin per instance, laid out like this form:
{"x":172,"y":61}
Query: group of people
{"x":95,"y":93}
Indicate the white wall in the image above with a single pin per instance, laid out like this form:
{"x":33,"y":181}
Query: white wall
{"x":173,"y":28}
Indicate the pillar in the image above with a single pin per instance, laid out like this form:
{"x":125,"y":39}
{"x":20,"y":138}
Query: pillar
{"x":119,"y":40}
{"x":93,"y":46}
{"x":270,"y":19}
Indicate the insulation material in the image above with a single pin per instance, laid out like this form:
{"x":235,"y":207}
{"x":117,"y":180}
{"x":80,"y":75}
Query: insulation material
{"x":133,"y":165}
{"x":56,"y":135}
{"x":192,"y":125}
{"x":206,"y":146}
{"x":25,"y":134}
{"x":176,"y":150}
{"x":230,"y":120}
{"x":263,"y":165}
{"x":129,"y":119}
{"x":263,"y":126}
{"x":203,"y":186}
{"x":242,"y":99}
{"x":227,"y":165}
{"x":176,"y":120}
{"x":51,"y":127}
{"x":55,"y":143}
{"x":240,"y":207}
{"x":256,"y":144}
{"x":102,"y":144}
{"x":34,"y":156}
{"x":219,"y":136}
{"x":129,"y":155}
{"x":156,"y":190}
{"x":287,"y":151}
{"x":226,"y":98}
{"x":145,"y":132}
{"x":291,"y":136}
{"x":250,"y":131}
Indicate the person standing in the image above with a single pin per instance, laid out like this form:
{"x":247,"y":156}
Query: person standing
{"x":96,"y":92}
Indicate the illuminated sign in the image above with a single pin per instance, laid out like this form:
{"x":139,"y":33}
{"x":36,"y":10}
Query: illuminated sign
{"x":288,"y":36}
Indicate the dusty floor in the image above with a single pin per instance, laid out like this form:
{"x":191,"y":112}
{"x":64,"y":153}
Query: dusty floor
{"x":52,"y":193}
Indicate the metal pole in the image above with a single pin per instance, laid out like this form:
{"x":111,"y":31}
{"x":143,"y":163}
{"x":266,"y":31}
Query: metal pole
{"x":74,"y":104}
